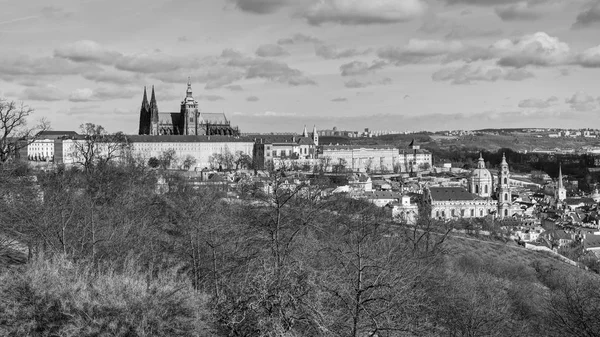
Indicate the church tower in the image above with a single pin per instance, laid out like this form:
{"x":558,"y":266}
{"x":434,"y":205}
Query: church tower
{"x":561,"y":191}
{"x":504,"y":193}
{"x":145,"y":116}
{"x":304,"y":133}
{"x":315,"y":136}
{"x":153,"y":115}
{"x":189,"y":112}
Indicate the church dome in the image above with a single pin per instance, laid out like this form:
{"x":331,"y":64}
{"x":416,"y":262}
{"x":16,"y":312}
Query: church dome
{"x":480,"y":180}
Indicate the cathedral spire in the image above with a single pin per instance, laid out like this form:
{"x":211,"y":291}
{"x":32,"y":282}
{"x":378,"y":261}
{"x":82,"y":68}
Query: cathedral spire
{"x":504,"y":159}
{"x":144,"y":115}
{"x":153,"y":108}
{"x":304,"y":133}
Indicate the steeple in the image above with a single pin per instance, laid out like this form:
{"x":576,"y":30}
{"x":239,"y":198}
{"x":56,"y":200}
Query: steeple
{"x":315,"y":135}
{"x":560,"y":178}
{"x":144,"y":116}
{"x":153,"y":107}
{"x":305,"y":133}
{"x":561,"y":192}
{"x":481,"y":162}
{"x":504,"y":163}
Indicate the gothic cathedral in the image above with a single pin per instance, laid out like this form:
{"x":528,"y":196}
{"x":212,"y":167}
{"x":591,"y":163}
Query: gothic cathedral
{"x":188,"y":121}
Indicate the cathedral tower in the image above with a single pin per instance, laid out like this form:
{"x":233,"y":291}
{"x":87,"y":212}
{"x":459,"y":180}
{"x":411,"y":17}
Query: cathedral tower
{"x":504,"y":193}
{"x":189,"y":112}
{"x":153,"y":115}
{"x":145,"y":116}
{"x":315,"y":136}
{"x":561,"y":191}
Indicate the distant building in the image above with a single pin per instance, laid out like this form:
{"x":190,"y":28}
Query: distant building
{"x":43,"y":147}
{"x":363,"y":158}
{"x":282,"y":148}
{"x":198,"y":148}
{"x":188,"y":121}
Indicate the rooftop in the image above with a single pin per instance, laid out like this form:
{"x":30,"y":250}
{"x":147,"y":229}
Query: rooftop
{"x":188,"y":139}
{"x":451,"y":193}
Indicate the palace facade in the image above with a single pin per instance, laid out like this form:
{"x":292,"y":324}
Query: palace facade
{"x":189,"y":121}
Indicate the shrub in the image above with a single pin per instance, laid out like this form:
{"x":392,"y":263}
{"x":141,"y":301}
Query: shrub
{"x":58,"y":298}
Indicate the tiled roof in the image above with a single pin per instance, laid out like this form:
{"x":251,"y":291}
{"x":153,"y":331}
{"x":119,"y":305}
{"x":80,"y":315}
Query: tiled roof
{"x":282,"y":139}
{"x":55,"y":134}
{"x":358,"y":147}
{"x":213,"y":118}
{"x":591,"y":241}
{"x":383,"y":195}
{"x":451,"y":194}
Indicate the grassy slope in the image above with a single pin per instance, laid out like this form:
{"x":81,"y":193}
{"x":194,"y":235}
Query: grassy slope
{"x":509,"y":252}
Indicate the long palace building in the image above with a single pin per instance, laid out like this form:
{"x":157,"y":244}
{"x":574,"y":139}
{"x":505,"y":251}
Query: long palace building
{"x":189,"y":121}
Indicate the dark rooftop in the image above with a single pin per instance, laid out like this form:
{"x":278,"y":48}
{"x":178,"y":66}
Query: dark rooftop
{"x":451,"y":193}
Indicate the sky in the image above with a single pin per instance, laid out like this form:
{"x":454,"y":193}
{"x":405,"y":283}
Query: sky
{"x":277,"y":65}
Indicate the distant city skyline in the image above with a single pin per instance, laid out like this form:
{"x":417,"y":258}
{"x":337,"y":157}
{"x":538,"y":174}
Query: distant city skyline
{"x":277,"y":65}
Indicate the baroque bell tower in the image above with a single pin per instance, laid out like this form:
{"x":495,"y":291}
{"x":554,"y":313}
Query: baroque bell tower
{"x":504,"y":193}
{"x":189,"y":112}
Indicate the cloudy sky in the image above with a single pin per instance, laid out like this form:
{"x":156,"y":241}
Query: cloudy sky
{"x":276,"y":65}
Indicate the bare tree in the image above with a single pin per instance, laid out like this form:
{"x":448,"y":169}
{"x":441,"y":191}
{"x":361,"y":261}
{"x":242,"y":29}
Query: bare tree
{"x":97,"y":146}
{"x":14,"y":132}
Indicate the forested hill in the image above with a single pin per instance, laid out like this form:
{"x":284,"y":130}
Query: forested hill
{"x":110,"y":256}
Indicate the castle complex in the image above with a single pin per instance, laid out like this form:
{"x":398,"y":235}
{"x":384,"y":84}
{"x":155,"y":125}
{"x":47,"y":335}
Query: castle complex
{"x":189,"y":121}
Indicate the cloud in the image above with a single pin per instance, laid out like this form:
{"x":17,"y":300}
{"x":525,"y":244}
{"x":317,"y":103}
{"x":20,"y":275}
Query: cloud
{"x":271,"y":50}
{"x":359,"y":12}
{"x":589,"y":58}
{"x":537,"y":103}
{"x":52,"y":12}
{"x":298,"y":39}
{"x":521,"y":11}
{"x":252,"y":99}
{"x":580,"y":101}
{"x":419,"y":51}
{"x":467,"y":74}
{"x":385,"y":81}
{"x":274,"y":114}
{"x":47,"y":94}
{"x":588,"y":17}
{"x":484,"y":2}
{"x":213,"y":74}
{"x":87,"y":51}
{"x":234,"y":87}
{"x":183,"y":39}
{"x":155,"y":62}
{"x":101,"y":94}
{"x":353,"y":84}
{"x":538,"y":49}
{"x":211,"y":98}
{"x":356,"y":68}
{"x":111,"y":76}
{"x":44,"y":66}
{"x":339,"y":99}
{"x":271,"y":70}
{"x":260,"y":6}
{"x":330,"y":52}
{"x":459,"y":32}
